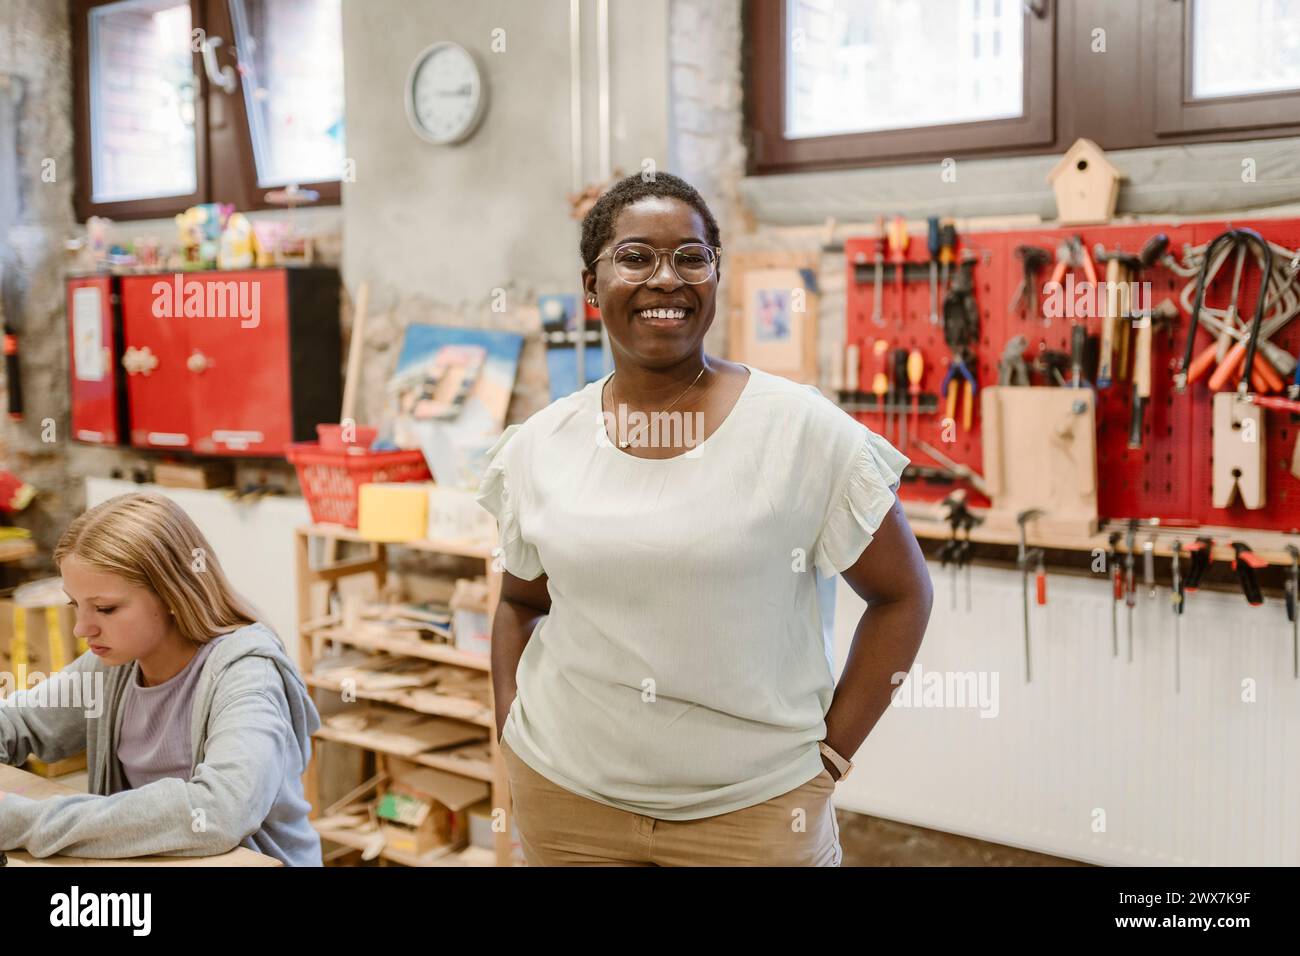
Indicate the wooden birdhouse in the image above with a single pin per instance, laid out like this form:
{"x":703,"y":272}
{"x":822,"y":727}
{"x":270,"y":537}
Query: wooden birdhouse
{"x":1086,"y":185}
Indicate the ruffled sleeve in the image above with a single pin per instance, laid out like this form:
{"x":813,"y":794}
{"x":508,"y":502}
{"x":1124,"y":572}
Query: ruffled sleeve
{"x":865,"y":497}
{"x":498,"y":492}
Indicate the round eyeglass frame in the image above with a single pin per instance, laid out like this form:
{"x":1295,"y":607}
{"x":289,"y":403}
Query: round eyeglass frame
{"x":609,"y":253}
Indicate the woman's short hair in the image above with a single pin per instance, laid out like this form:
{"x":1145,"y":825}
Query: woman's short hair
{"x":150,"y":541}
{"x":598,"y":224}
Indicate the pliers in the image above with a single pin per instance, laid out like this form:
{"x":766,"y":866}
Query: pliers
{"x":960,"y":364}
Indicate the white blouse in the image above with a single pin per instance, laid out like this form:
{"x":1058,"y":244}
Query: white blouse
{"x":686,"y":666}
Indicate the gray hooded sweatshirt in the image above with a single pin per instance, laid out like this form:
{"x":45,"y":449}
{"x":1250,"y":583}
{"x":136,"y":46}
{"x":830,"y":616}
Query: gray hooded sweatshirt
{"x":251,"y":729}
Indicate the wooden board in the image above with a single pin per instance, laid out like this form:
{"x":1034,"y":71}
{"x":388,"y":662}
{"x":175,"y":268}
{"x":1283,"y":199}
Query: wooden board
{"x":1040,"y":451}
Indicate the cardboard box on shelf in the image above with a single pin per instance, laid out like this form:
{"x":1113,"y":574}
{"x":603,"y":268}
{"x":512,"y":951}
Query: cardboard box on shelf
{"x":424,"y":809}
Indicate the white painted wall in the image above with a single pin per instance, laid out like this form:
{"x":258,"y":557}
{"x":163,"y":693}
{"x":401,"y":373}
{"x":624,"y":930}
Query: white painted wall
{"x":1200,"y":777}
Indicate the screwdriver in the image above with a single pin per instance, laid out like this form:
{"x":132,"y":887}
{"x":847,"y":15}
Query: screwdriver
{"x":947,"y":249}
{"x":880,"y":382}
{"x":932,"y":241}
{"x":899,"y":398}
{"x":915,"y":369}
{"x":898,"y":242}
{"x":877,"y":319}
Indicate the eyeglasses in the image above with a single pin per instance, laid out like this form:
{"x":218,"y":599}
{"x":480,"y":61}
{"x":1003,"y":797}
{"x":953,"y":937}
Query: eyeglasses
{"x":636,"y":262}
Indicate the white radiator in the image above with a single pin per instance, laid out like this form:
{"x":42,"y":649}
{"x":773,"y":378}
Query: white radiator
{"x":1096,"y":759}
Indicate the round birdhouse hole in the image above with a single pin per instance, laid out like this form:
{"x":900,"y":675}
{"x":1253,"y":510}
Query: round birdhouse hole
{"x":1081,"y":165}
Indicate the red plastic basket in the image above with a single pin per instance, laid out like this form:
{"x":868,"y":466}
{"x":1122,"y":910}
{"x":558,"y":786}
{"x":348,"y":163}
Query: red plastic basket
{"x":331,"y":480}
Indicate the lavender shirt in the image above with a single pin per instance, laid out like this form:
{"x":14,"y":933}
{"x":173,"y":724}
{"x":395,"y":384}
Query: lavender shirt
{"x":155,"y":736}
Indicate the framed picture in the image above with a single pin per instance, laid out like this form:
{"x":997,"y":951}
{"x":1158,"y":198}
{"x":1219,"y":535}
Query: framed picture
{"x":773,"y":301}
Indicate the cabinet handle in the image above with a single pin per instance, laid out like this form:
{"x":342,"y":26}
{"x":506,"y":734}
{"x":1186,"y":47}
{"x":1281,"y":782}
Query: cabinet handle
{"x":197,"y":362}
{"x":139,"y":361}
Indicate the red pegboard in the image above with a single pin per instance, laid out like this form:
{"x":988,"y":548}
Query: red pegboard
{"x":1169,"y":477}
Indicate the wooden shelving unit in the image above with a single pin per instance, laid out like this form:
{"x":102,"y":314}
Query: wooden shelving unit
{"x":316,"y":631}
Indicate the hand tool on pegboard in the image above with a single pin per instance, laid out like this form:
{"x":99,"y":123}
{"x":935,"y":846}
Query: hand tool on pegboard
{"x":1239,"y":450}
{"x":1070,"y":254}
{"x":877,"y":299}
{"x":1114,"y":324}
{"x":960,"y":333}
{"x":1178,"y":602}
{"x":965,"y":553}
{"x":1189,"y":368}
{"x":1292,"y":612}
{"x":957,"y":469}
{"x":1025,"y":558}
{"x":915,"y":372}
{"x":880,"y":381}
{"x":947,"y":251}
{"x":932,"y":244}
{"x":1162,"y":316}
{"x":1012,"y":368}
{"x":1052,"y":366}
{"x":1200,"y":557}
{"x":1032,"y":260}
{"x":1079,"y":356}
{"x":898,"y":394}
{"x":953,"y":506}
{"x":1246,"y":562}
{"x":898,"y":243}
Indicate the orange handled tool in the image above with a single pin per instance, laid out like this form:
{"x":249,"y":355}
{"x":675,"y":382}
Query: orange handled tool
{"x":880,"y":382}
{"x":915,"y":369}
{"x":898,"y":242}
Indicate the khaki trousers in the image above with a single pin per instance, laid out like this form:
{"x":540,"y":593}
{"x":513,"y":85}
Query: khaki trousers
{"x":557,"y":827}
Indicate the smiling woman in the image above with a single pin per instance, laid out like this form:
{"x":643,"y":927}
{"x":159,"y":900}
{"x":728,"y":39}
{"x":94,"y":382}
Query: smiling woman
{"x":661,"y":653}
{"x":206,"y":724}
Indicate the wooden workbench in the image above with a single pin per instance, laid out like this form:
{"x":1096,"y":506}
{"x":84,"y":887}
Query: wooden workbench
{"x":38,"y":788}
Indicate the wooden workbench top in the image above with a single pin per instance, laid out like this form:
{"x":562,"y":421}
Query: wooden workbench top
{"x":38,"y":788}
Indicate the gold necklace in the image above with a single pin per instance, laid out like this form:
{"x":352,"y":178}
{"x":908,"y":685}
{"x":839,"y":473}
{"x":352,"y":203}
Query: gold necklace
{"x":627,"y":444}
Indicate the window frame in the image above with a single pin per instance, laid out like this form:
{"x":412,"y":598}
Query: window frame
{"x":1177,"y":113}
{"x":771,"y":151}
{"x":1136,"y":101}
{"x":225,"y":166}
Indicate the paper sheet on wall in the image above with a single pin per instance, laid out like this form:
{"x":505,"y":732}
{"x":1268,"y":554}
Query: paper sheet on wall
{"x":88,"y":334}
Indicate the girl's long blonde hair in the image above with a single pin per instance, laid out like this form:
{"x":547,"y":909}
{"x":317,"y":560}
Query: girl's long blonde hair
{"x":150,"y":541}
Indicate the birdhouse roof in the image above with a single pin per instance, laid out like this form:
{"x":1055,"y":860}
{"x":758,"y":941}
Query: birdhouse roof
{"x":1085,"y":147}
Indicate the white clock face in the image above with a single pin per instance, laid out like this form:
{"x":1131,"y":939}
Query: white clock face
{"x":444,"y":94}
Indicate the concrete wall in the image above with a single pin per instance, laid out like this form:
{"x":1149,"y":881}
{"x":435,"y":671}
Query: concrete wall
{"x":438,"y":230}
{"x":35,"y":217}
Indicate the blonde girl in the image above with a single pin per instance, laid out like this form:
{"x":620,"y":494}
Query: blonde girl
{"x":203,"y":727}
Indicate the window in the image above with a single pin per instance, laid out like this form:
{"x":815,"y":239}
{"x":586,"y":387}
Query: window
{"x":845,"y":56}
{"x":1228,"y":65}
{"x":848,"y":82}
{"x":142,"y":93}
{"x":186,"y":101}
{"x":836,"y":83}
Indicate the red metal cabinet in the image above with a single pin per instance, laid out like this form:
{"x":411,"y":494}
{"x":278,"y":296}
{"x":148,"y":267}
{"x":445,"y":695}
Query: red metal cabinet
{"x":230,"y":363}
{"x":94,"y":337}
